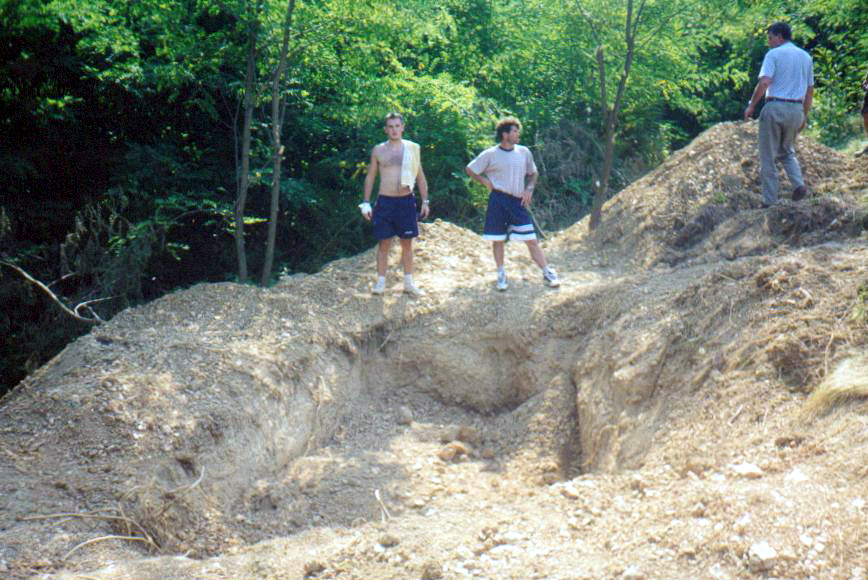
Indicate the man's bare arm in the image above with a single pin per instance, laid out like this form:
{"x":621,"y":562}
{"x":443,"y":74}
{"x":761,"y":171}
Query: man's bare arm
{"x":758,"y":93}
{"x":479,"y":178}
{"x":806,"y":106}
{"x":422,"y":182}
{"x":527,"y":194}
{"x":373,"y":167}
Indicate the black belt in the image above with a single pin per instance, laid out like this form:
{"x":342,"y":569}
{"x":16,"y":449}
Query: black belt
{"x":783,"y":100}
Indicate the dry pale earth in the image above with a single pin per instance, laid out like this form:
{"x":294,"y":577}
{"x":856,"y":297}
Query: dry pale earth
{"x":689,"y":404}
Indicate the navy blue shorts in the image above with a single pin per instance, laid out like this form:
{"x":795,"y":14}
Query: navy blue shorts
{"x":505,"y":217}
{"x":395,"y":216}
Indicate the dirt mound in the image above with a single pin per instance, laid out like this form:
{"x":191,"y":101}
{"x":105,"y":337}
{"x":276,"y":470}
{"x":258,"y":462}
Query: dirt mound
{"x":704,"y":204}
{"x":641,"y":421}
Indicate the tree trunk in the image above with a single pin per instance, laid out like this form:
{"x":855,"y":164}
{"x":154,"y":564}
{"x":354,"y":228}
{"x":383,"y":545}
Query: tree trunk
{"x":277,"y":148}
{"x":243,"y":177}
{"x":611,"y":114}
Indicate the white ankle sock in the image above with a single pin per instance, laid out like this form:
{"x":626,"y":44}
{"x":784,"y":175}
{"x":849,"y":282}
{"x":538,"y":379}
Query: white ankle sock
{"x":408,"y":279}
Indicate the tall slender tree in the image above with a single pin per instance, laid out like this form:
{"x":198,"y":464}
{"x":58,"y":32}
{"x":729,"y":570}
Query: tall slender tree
{"x":243,"y":164}
{"x":277,"y":148}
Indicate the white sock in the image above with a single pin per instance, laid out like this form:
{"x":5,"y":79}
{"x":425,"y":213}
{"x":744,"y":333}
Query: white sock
{"x":501,"y":270}
{"x":381,"y":280}
{"x":408,"y":279}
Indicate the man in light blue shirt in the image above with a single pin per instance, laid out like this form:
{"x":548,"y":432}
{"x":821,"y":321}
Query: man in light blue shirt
{"x":786,"y":79}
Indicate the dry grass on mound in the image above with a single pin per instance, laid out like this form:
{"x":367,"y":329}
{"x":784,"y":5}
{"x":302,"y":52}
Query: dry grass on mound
{"x":814,"y":315}
{"x":848,"y":382}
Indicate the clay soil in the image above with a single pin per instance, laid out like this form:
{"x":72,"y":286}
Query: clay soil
{"x":661,"y":415}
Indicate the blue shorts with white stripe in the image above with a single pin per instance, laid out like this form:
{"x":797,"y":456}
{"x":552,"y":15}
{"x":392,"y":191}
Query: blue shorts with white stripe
{"x":507,"y":218}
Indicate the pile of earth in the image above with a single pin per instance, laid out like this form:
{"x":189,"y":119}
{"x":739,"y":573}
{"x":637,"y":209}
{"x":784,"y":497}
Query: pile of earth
{"x":687,"y":404}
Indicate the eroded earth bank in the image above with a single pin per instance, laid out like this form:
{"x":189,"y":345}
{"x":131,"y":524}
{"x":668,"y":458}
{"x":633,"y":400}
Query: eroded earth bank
{"x":686,"y":405}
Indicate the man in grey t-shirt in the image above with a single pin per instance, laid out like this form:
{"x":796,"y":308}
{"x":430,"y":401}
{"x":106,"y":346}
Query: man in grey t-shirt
{"x":787,"y":81}
{"x":508,"y":172}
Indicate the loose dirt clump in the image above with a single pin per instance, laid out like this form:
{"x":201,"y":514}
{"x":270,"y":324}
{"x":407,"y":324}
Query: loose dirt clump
{"x":648,"y":419}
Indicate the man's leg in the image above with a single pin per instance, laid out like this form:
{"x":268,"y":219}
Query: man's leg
{"x":550,"y":277}
{"x":407,"y":255}
{"x":407,"y":261}
{"x":536,"y":253}
{"x":497,"y":250}
{"x":383,"y":256}
{"x":865,"y":122}
{"x":383,"y":248}
{"x":787,"y":152}
{"x":769,"y":143}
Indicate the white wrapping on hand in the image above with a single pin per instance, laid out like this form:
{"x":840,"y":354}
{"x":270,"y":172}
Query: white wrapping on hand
{"x":366,"y":209}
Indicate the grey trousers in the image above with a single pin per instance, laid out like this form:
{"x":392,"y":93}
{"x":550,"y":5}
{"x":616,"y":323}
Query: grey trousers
{"x":779,"y":123}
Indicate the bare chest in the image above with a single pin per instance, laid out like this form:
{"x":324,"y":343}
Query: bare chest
{"x":389,"y":157}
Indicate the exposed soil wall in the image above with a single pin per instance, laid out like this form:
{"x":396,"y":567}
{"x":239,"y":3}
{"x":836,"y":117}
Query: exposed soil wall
{"x":246,"y":429}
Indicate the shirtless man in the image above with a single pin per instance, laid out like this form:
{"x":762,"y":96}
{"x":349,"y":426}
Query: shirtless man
{"x":399,"y":165}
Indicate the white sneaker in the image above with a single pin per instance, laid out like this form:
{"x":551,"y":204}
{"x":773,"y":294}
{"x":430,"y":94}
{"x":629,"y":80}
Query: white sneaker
{"x":379,"y":287}
{"x":502,"y":284}
{"x":411,"y":289}
{"x":550,"y":278}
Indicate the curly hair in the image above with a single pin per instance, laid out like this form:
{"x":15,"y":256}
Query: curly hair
{"x":505,"y":125}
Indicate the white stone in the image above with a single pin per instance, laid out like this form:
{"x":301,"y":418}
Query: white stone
{"x":761,"y":556}
{"x":747,"y":470}
{"x":796,"y":476}
{"x":632,"y":573}
{"x":569,"y":491}
{"x":512,"y":537}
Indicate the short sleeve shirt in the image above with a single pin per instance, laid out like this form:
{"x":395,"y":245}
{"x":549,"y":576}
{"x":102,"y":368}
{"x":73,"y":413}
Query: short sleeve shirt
{"x":791,"y":70}
{"x":507,"y":169}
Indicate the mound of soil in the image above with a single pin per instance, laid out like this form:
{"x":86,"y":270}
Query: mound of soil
{"x":644,"y":420}
{"x":704,"y":203}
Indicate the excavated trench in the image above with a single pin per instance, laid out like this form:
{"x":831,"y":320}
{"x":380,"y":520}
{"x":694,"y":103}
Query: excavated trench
{"x":547,"y":401}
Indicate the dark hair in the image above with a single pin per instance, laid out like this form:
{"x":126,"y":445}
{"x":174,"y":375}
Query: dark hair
{"x":781,"y":29}
{"x":393,"y":115}
{"x":505,"y":126}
